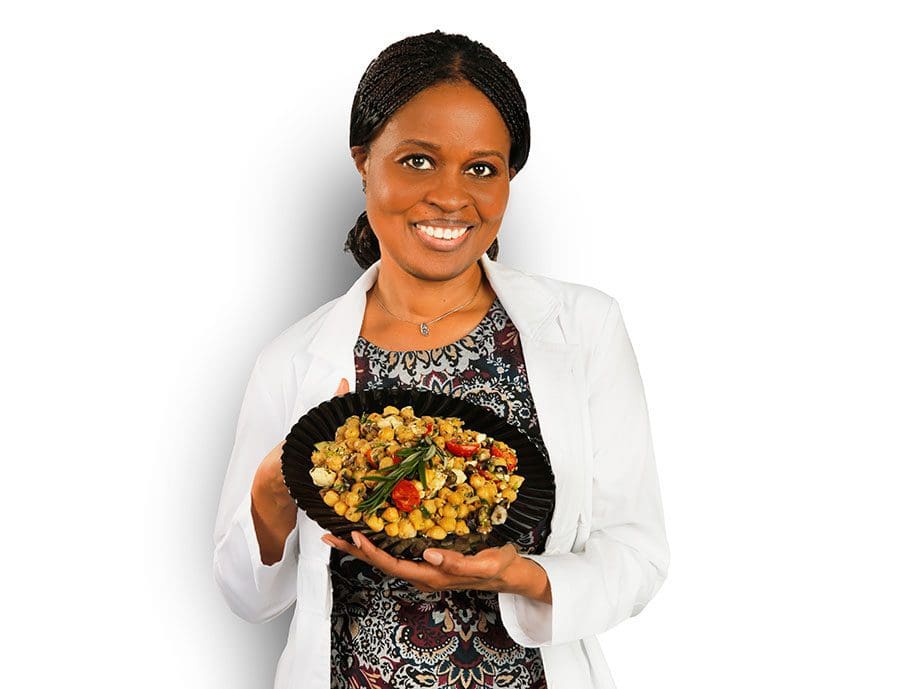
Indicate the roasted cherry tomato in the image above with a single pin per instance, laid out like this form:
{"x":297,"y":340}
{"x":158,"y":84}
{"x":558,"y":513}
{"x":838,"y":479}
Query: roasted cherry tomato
{"x":405,"y":495}
{"x":429,"y":428}
{"x":368,"y":454}
{"x":510,"y":458}
{"x":461,"y":449}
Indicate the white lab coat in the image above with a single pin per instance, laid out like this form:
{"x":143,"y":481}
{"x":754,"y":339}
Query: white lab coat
{"x":606,"y":554}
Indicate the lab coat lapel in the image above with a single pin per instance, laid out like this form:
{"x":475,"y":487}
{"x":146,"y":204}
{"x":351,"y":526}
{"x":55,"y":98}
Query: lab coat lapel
{"x":550,"y":364}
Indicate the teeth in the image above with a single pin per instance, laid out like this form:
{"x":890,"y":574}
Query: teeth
{"x":442,"y":232}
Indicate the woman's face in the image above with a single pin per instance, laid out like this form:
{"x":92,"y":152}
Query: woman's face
{"x":440,"y":162}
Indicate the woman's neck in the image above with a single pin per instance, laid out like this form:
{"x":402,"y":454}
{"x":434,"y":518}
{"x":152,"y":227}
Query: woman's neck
{"x":420,"y":299}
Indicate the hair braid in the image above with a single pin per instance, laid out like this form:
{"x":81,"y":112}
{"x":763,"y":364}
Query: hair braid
{"x":411,"y":65}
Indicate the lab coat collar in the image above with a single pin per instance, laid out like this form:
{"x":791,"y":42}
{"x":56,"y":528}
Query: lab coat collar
{"x":529,"y":304}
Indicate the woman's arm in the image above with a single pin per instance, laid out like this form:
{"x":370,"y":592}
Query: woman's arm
{"x":251,"y":530}
{"x":626,"y":557}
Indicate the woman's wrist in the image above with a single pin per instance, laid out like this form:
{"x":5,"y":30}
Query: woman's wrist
{"x":525,"y":577}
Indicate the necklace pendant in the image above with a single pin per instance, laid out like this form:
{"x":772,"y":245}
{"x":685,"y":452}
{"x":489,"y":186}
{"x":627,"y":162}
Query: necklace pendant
{"x":424,"y":328}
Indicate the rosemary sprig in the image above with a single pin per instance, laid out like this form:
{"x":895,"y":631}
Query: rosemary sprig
{"x":414,"y":460}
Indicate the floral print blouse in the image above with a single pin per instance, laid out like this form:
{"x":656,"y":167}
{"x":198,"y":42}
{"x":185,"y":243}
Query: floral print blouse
{"x":385,"y":633}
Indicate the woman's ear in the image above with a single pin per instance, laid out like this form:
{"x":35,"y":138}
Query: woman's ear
{"x":512,"y":173}
{"x":360,"y":156}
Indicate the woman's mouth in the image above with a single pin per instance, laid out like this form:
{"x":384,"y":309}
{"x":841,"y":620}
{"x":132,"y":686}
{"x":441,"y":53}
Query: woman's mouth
{"x":442,"y":238}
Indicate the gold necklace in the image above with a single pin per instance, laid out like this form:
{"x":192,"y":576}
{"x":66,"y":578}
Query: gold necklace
{"x":423,"y":326}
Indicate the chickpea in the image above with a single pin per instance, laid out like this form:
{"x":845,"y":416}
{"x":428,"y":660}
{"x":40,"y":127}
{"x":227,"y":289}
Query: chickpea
{"x":445,"y":493}
{"x":448,"y":524}
{"x":484,"y":493}
{"x":391,"y":448}
{"x":463,"y":511}
{"x":406,"y":529}
{"x":404,"y":434}
{"x":436,"y":533}
{"x":358,"y":487}
{"x":353,"y":514}
{"x":427,"y":524}
{"x":352,"y":498}
{"x":351,"y":433}
{"x":330,"y":498}
{"x":375,"y":523}
{"x":391,"y":410}
{"x":386,"y":462}
{"x":440,"y":441}
{"x":340,"y":507}
{"x":407,"y":413}
{"x":510,"y":494}
{"x":448,"y":511}
{"x":457,"y":463}
{"x":461,"y":528}
{"x":416,"y":518}
{"x":391,"y":514}
{"x":430,"y":505}
{"x":391,"y":529}
{"x":476,"y":481}
{"x":334,"y":462}
{"x":455,"y":498}
{"x":386,"y":433}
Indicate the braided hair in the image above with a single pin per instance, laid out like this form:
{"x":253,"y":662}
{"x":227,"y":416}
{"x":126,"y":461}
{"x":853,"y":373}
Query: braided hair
{"x":411,"y":65}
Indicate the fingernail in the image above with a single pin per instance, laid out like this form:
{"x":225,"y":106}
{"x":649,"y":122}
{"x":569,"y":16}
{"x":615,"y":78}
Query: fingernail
{"x":433,"y":557}
{"x":356,"y":539}
{"x":327,"y":541}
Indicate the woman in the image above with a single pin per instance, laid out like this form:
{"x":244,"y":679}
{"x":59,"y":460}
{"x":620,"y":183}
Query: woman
{"x":438,"y":129}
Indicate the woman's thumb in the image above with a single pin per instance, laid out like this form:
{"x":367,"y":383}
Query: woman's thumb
{"x":343,"y":388}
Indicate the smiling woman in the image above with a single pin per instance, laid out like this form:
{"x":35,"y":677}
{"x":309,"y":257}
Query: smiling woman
{"x":435,"y":200}
{"x":438,"y":129}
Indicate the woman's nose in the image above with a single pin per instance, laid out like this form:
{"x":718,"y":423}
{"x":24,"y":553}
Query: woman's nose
{"x":448,"y":191}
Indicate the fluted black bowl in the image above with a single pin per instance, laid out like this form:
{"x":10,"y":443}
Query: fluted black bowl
{"x":535,"y":499}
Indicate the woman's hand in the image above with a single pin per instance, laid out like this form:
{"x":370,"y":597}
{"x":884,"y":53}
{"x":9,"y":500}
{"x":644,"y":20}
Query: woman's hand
{"x":492,"y":569}
{"x":274,"y":510}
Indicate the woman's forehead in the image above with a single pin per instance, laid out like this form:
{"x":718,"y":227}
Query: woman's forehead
{"x":448,"y":116}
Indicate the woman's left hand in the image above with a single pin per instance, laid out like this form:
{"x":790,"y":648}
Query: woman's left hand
{"x":445,"y":570}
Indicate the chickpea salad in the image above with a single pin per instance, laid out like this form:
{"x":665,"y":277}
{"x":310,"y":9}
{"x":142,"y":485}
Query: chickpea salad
{"x":411,"y":476}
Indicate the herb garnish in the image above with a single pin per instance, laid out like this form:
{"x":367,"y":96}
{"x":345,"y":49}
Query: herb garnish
{"x":414,"y":463}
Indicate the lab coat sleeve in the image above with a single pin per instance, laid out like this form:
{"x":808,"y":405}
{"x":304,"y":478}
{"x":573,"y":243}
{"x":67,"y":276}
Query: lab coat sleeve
{"x":253,"y":590}
{"x":626,"y":556}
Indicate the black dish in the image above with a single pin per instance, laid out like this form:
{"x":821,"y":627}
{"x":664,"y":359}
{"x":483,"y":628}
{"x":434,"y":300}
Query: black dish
{"x":535,"y":499}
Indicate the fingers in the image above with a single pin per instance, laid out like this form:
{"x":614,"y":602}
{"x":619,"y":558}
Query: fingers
{"x":456,"y":571}
{"x":343,"y":388}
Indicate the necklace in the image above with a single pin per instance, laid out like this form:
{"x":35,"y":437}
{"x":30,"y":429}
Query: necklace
{"x":423,"y":326}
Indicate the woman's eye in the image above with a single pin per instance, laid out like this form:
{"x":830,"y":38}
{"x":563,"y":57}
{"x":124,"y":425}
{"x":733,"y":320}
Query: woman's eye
{"x":420,"y":162}
{"x":416,"y":158}
{"x":484,"y":166}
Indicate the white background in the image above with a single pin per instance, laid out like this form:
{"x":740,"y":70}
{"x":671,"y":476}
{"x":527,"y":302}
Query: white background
{"x":176,"y":189}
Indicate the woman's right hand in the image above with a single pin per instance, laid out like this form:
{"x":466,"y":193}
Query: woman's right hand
{"x":274,"y":510}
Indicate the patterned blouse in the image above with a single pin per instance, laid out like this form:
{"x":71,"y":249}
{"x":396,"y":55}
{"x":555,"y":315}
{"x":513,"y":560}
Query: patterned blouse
{"x":386,"y":634}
